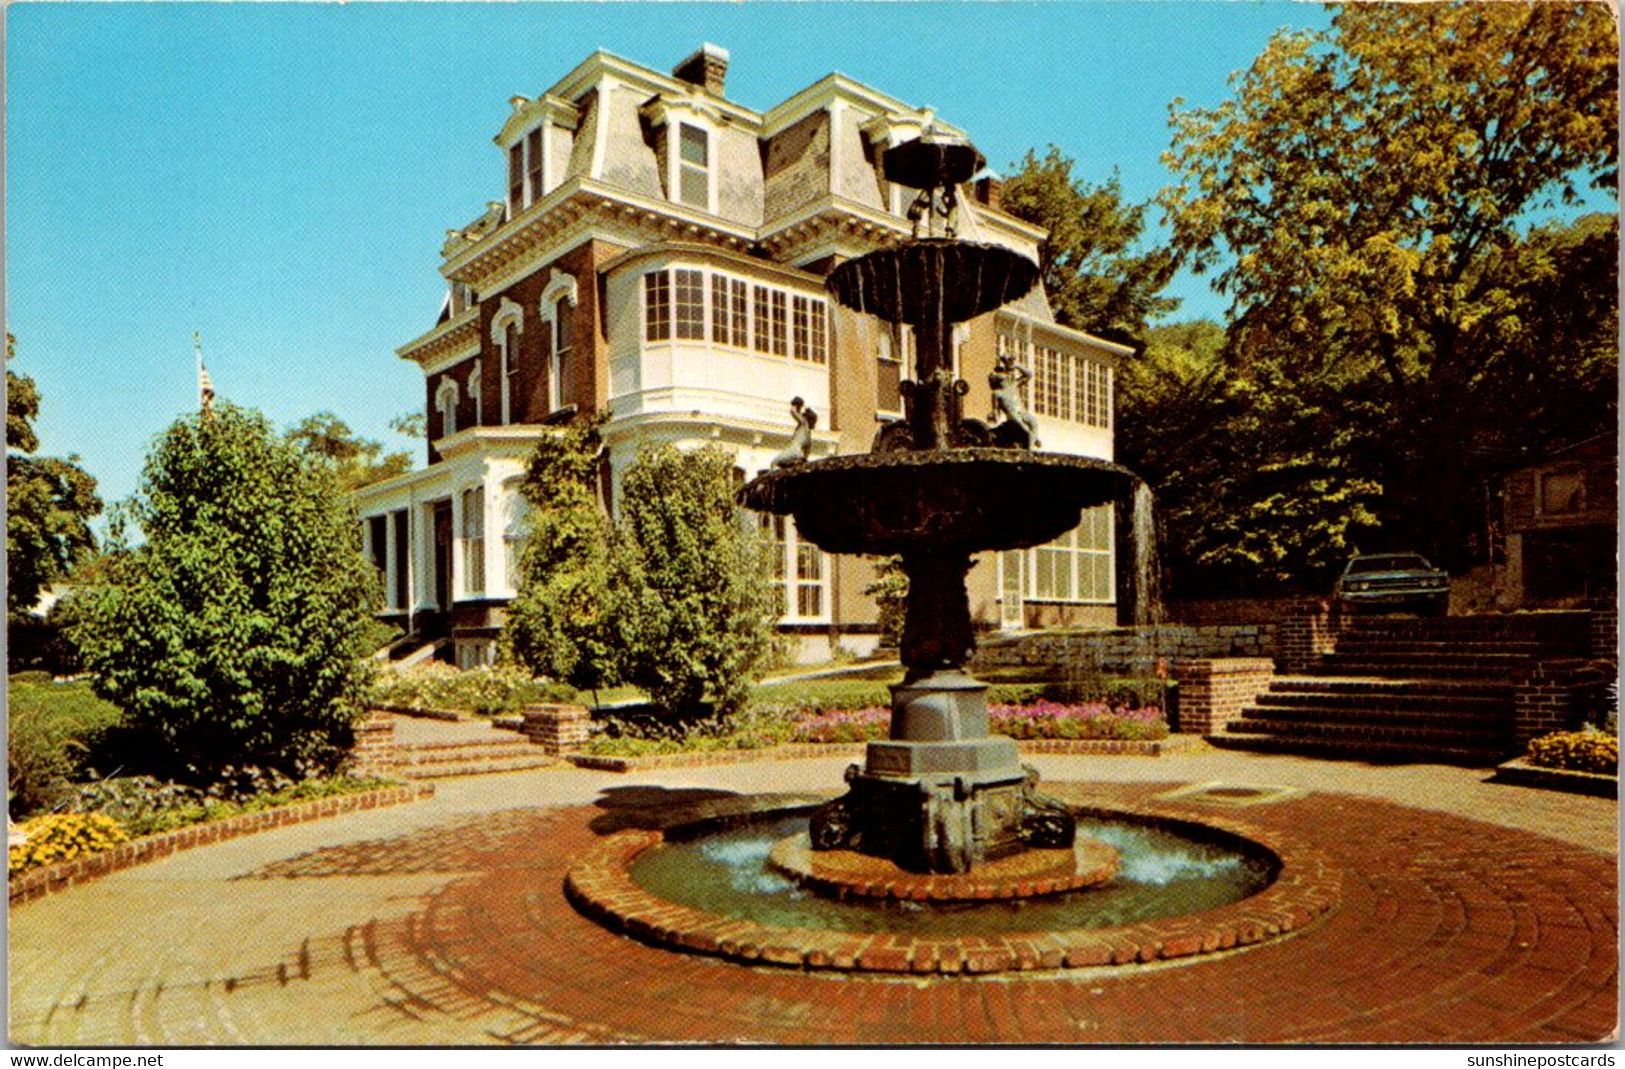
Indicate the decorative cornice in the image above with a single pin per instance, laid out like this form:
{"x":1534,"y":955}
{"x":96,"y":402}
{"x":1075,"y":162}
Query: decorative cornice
{"x":446,"y":338}
{"x":528,"y":113}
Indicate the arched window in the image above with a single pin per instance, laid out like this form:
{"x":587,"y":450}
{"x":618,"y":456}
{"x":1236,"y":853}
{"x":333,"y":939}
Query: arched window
{"x":445,"y":402}
{"x":506,"y":327}
{"x":563,"y":348}
{"x":476,"y":395}
{"x":557,"y":309}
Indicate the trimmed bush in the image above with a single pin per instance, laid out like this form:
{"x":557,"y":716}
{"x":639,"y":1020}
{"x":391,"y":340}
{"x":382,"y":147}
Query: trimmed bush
{"x":64,"y":837}
{"x":234,"y":632}
{"x":1577,"y":751}
{"x":53,"y":729}
{"x":484,"y":691}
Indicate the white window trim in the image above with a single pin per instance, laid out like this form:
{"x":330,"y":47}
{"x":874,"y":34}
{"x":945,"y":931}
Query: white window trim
{"x":446,"y":396}
{"x":559,"y":287}
{"x":509,"y":312}
{"x":820,"y":306}
{"x":476,"y":382}
{"x":1073,"y":553}
{"x":529,"y":193}
{"x":671,"y":114}
{"x":473,"y":581}
{"x":790,"y":596}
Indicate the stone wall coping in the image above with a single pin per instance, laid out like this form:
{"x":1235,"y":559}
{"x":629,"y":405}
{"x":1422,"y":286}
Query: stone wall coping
{"x":50,"y":879}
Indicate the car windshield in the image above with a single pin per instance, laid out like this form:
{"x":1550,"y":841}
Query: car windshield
{"x":1393,"y":562}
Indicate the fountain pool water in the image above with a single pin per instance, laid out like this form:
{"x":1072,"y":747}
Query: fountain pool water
{"x":1163,"y":874}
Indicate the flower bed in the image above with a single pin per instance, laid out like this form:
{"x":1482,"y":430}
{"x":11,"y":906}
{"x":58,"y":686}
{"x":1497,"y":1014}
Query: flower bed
{"x":67,"y":872}
{"x":1041,"y":720}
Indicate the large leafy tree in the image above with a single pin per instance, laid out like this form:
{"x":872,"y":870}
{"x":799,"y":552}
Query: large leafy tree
{"x":233,"y":633}
{"x":356,"y":461}
{"x":565,"y":622}
{"x":1367,"y":196}
{"x":1094,"y":275}
{"x":699,"y":604}
{"x":49,"y":503}
{"x":1253,"y":487}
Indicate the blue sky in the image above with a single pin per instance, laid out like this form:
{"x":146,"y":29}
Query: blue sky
{"x":280,"y":177}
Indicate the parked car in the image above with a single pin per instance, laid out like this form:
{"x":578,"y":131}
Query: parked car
{"x":1393,"y":582}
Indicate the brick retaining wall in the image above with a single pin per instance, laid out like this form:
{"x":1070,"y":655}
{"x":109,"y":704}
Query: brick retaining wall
{"x":1213,"y":691}
{"x":558,"y":728}
{"x":1559,"y":694}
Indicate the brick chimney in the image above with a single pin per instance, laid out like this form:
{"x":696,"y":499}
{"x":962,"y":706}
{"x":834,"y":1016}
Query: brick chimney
{"x":990,"y":191}
{"x":706,"y":68}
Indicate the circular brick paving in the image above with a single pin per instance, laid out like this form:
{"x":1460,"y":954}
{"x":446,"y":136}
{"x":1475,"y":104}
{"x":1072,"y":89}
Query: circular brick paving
{"x":1305,"y":887}
{"x":1446,"y":931}
{"x":456,"y":932}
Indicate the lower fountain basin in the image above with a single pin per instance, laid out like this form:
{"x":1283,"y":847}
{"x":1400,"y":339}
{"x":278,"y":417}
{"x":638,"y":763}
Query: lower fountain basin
{"x":969,"y":499}
{"x":704,"y":885}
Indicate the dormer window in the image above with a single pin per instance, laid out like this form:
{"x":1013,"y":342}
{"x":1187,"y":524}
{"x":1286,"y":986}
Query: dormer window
{"x":525,"y":172}
{"x":445,"y":402}
{"x":693,"y":166}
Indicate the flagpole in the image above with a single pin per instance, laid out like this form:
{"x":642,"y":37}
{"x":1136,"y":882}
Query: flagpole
{"x":205,"y":387}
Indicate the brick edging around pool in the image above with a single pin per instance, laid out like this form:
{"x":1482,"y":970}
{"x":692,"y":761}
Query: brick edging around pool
{"x":1307,"y":887}
{"x":50,"y":879}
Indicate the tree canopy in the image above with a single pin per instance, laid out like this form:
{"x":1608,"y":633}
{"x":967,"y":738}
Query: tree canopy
{"x":356,"y":461}
{"x":1095,"y":278}
{"x":234,"y":632}
{"x":49,"y":502}
{"x":1369,"y":198}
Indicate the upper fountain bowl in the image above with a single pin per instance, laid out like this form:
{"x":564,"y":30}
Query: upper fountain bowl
{"x":933,"y":280}
{"x":967,"y":499}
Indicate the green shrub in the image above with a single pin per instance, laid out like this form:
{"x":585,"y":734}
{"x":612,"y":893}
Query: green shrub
{"x":232,"y":629}
{"x":484,"y":691}
{"x":1577,"y":751}
{"x":32,"y":675}
{"x":64,"y":837}
{"x":53,"y":729}
{"x":696,"y":596}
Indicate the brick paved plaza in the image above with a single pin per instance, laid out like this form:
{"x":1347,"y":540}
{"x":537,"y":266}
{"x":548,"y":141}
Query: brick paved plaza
{"x":1469,"y":913}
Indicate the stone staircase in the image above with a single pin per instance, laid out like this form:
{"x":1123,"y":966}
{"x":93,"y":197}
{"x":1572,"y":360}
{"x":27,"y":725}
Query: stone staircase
{"x":433,"y":749}
{"x":1404,"y":689}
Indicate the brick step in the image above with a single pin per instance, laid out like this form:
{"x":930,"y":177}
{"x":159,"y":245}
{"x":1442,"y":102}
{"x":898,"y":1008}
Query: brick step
{"x":1482,"y":628}
{"x":473,"y":749}
{"x":1369,"y":750}
{"x":1444,"y":737}
{"x":477,"y":766}
{"x":1519,"y":647}
{"x":1454,"y":709}
{"x":1398,"y":688}
{"x":1425,"y":668}
{"x":1493,"y":719}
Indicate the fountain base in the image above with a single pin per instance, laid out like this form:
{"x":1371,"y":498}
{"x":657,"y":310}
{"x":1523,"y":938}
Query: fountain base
{"x":1028,"y":874}
{"x":942,"y":795}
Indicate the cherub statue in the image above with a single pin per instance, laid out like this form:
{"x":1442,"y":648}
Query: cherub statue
{"x":800,"y":447}
{"x":1020,"y":429}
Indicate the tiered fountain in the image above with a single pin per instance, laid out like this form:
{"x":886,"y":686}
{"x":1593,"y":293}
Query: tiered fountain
{"x":942,"y":856}
{"x":942,"y":794}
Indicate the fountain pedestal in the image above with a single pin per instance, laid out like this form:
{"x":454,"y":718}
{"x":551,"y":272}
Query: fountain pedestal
{"x":941,"y":794}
